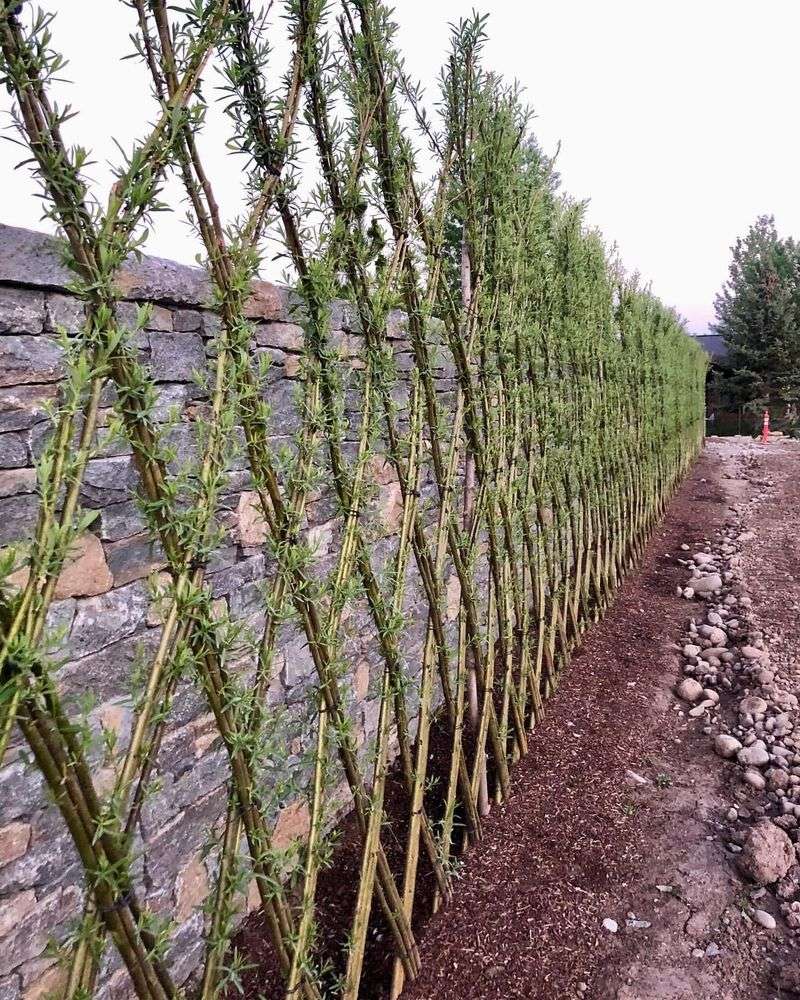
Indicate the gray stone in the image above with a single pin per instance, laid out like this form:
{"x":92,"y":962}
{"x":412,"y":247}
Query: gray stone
{"x":120,"y":520}
{"x":152,"y":279}
{"x":108,"y":480}
{"x":10,"y":988}
{"x":170,"y":848}
{"x":21,"y":311}
{"x":107,"y":673}
{"x":21,"y":791}
{"x":755,"y":779}
{"x":51,"y":859}
{"x":134,"y":558}
{"x":230,"y":579}
{"x":64,"y":312}
{"x":29,"y":258}
{"x":16,"y":482}
{"x":767,"y":853}
{"x":726,"y":746}
{"x":752,"y":705}
{"x":284,"y":336}
{"x":175,"y":357}
{"x":24,"y":406}
{"x":184,"y":321}
{"x":31,"y":935}
{"x":766,"y":920}
{"x":17,"y":518}
{"x":298,"y":666}
{"x":186,"y":949}
{"x":706,"y":584}
{"x":753,"y":756}
{"x":173,"y":398}
{"x":26,"y":360}
{"x":689,"y":690}
{"x":101,"y":620}
{"x":13,"y":451}
{"x":185,"y":792}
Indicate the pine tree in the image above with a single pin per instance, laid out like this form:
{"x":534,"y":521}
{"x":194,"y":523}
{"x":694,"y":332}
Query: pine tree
{"x":757,"y":317}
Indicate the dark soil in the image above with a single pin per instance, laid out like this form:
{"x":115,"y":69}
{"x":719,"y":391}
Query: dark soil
{"x":580,"y":839}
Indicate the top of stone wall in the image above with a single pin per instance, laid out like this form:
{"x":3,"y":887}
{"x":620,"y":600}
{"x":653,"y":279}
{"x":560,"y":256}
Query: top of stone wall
{"x":33,"y":260}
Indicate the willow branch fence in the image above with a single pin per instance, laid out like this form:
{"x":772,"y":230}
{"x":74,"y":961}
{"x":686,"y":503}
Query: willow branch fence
{"x":275,"y":556}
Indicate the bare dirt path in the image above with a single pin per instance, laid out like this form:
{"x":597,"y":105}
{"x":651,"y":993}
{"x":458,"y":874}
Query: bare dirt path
{"x":622,"y":811}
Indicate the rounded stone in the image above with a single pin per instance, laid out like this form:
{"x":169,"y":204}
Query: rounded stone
{"x":766,"y":920}
{"x":753,"y":757}
{"x":689,"y":690}
{"x":767,"y":853}
{"x":752,"y":705}
{"x":726,"y":746}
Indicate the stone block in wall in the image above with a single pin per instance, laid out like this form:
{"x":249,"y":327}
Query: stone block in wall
{"x":26,"y":360}
{"x":266,"y":301}
{"x":284,"y":336}
{"x":21,"y":311}
{"x":175,"y":399}
{"x":50,"y":859}
{"x":175,"y":357}
{"x":344,"y":316}
{"x":133,"y":558}
{"x":183,"y":745}
{"x":169,"y":847}
{"x":84,"y":573}
{"x":120,"y":520}
{"x":44,"y":979}
{"x":64,"y":312}
{"x":21,"y":791}
{"x":107,"y":618}
{"x":24,"y":406}
{"x":185,"y":321}
{"x":13,"y":450}
{"x":108,"y":480}
{"x":17,"y":518}
{"x":14,"y":841}
{"x":252,"y":527}
{"x":107,"y":673}
{"x":10,"y":988}
{"x":233,"y":578}
{"x":191,"y":888}
{"x":31,"y":924}
{"x":298,"y":664}
{"x":15,"y":482}
{"x":29,"y":258}
{"x":153,"y":279}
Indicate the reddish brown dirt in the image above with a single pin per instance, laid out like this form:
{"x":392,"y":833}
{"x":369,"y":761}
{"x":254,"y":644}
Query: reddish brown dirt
{"x":579,"y":839}
{"x":577,"y":842}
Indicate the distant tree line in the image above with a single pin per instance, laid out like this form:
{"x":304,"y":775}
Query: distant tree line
{"x":758,"y":317}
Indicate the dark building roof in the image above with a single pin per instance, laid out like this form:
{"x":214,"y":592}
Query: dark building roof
{"x":713,"y":345}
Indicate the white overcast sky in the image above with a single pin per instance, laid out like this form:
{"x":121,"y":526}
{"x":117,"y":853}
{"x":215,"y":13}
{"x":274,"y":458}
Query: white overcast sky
{"x":677,"y":120}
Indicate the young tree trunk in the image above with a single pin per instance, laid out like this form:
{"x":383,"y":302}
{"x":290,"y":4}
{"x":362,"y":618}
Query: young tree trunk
{"x":473,"y":710}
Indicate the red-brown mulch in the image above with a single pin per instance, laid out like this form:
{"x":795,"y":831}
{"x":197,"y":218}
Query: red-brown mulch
{"x":559,"y":855}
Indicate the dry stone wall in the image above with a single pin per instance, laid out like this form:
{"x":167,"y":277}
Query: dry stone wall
{"x":105,"y":622}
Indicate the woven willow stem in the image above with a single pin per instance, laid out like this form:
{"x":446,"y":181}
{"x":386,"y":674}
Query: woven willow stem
{"x":312,"y":857}
{"x":365,"y":301}
{"x":227,"y":281}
